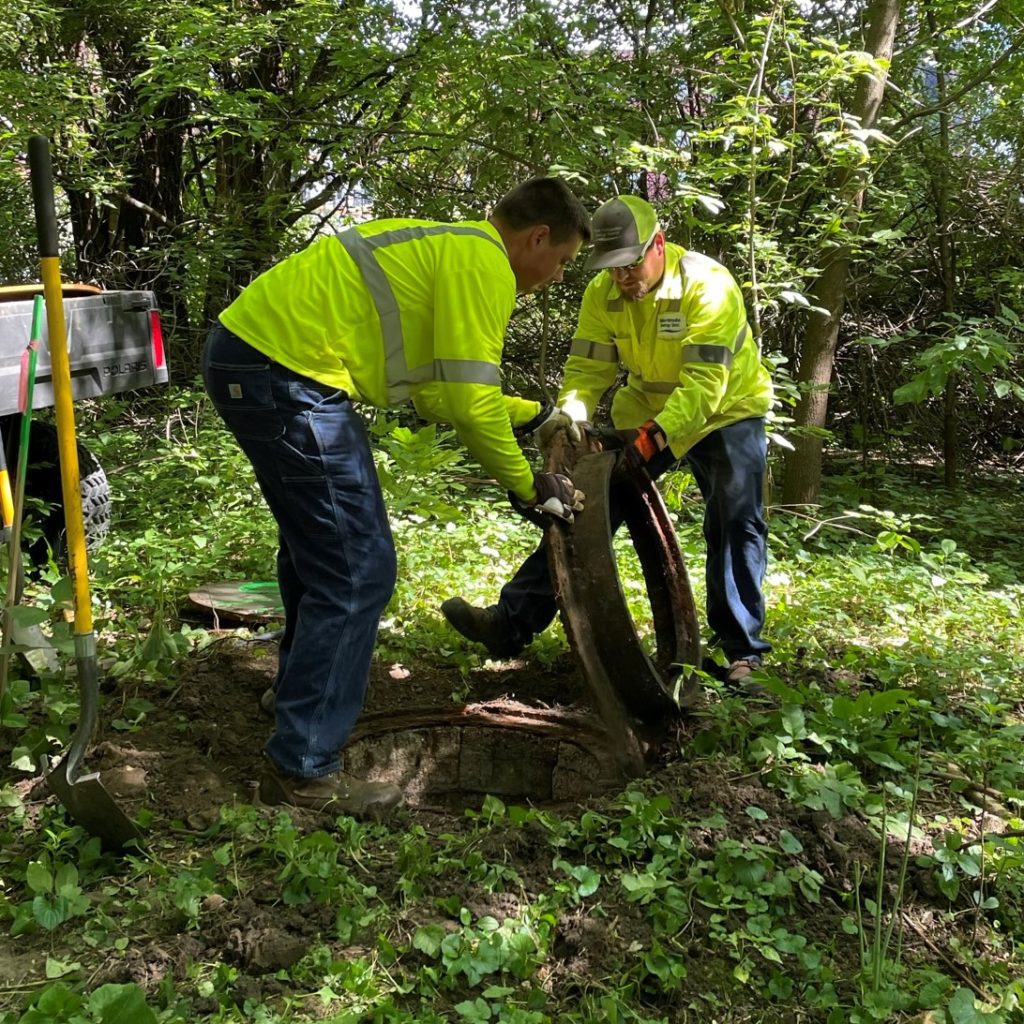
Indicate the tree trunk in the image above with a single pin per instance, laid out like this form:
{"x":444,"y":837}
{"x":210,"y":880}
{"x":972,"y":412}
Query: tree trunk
{"x":947,"y":269}
{"x":950,"y":434}
{"x":818,"y":349}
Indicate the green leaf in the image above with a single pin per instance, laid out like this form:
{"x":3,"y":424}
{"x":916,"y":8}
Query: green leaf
{"x":428,"y":939}
{"x":885,"y":760}
{"x":789,"y":843}
{"x":887,"y":701}
{"x":714,"y":821}
{"x":27,"y":615}
{"x":38,"y":877}
{"x":588,"y":878}
{"x":474,"y":1010}
{"x":63,"y":591}
{"x":963,"y":1010}
{"x":49,"y":913}
{"x":969,"y":865}
{"x":66,"y":882}
{"x":58,"y":968}
{"x":497,"y":992}
{"x":492,"y":808}
{"x":57,"y":1002}
{"x":120,"y":1004}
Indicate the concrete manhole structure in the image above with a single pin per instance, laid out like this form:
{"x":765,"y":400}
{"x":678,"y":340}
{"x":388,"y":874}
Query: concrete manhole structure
{"x":454,"y":757}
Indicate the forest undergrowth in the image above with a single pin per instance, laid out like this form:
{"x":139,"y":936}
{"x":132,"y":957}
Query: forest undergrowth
{"x":846,"y":850}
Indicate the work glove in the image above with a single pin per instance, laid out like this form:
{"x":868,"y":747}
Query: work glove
{"x":545,"y":423}
{"x":557,"y":499}
{"x":638,"y":444}
{"x":557,"y":420}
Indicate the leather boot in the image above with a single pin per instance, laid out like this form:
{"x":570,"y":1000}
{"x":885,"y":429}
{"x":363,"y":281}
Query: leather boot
{"x":337,"y":793}
{"x":483,"y":626}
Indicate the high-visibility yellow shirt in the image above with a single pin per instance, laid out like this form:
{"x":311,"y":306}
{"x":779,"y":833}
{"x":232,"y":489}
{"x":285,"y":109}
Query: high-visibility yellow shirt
{"x":401,"y":309}
{"x":691,"y":359}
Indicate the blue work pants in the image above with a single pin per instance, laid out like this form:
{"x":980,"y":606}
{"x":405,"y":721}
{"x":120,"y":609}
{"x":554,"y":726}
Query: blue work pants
{"x":336,"y":564}
{"x":729,"y":466}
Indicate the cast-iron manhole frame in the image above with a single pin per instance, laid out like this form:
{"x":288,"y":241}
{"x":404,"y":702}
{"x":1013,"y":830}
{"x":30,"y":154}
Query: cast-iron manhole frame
{"x":637,"y":697}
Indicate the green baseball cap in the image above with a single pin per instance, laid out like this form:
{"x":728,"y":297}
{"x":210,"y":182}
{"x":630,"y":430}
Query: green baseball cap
{"x":622,"y":230}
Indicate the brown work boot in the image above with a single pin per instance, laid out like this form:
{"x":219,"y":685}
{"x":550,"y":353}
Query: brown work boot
{"x":268,"y":702}
{"x":483,"y":626}
{"x":338,"y":793}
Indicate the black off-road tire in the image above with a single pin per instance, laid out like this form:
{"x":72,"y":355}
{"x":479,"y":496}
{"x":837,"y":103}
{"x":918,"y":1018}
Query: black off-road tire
{"x":43,"y":482}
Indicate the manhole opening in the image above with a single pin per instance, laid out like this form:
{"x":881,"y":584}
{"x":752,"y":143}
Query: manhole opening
{"x":453,"y":758}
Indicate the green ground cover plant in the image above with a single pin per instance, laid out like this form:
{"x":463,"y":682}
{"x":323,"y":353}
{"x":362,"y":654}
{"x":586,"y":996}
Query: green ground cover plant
{"x":848,"y":850}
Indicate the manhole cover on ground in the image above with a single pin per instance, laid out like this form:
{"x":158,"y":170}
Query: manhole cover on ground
{"x":454,"y":757}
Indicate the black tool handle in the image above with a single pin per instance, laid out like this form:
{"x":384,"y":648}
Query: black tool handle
{"x":42,"y":194}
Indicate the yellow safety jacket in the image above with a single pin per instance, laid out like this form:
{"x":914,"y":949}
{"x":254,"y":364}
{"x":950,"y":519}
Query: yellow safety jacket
{"x":691,"y":359}
{"x":403,"y":309}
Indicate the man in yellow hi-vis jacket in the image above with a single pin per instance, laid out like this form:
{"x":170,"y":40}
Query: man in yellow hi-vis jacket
{"x":382,"y":312}
{"x":696,"y":390}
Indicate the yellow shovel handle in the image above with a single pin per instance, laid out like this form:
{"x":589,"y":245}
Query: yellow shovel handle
{"x":71,"y":488}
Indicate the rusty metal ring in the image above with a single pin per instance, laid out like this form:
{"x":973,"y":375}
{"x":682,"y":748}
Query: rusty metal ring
{"x":626,"y":682}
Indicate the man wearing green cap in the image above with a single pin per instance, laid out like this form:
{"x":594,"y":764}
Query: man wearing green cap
{"x":696,"y":392}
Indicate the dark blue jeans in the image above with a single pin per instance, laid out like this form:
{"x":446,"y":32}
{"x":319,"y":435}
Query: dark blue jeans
{"x":728,"y":466}
{"x":336,"y":563}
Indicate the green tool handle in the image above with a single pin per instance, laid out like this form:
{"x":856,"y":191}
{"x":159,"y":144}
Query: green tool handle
{"x":28,"y":384}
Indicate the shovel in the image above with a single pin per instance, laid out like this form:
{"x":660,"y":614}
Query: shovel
{"x":83,"y":795}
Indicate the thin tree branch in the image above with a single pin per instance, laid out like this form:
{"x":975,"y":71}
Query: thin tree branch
{"x":736,"y":30}
{"x":145,"y":207}
{"x":979,"y":79}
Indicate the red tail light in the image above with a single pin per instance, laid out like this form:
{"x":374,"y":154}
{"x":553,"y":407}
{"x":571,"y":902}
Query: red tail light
{"x":157,"y":334}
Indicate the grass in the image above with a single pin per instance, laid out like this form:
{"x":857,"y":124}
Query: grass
{"x":826,"y":858}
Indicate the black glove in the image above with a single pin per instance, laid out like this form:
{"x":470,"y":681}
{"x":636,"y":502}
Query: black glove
{"x":557,"y":499}
{"x":527,"y":428}
{"x":559,"y":487}
{"x":613,"y":440}
{"x":638,"y":444}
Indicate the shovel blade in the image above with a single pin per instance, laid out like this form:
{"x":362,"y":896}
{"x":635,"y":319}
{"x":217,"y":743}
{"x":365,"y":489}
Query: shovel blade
{"x":93,"y":808}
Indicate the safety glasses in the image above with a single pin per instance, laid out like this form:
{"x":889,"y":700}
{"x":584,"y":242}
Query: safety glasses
{"x":643,"y":255}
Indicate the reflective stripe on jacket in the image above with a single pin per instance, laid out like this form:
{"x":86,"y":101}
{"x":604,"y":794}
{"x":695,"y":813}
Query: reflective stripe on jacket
{"x":401,"y":309}
{"x":691,"y":359}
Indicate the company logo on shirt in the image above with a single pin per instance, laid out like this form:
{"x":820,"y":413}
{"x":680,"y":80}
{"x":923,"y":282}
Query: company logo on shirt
{"x":671,"y":323}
